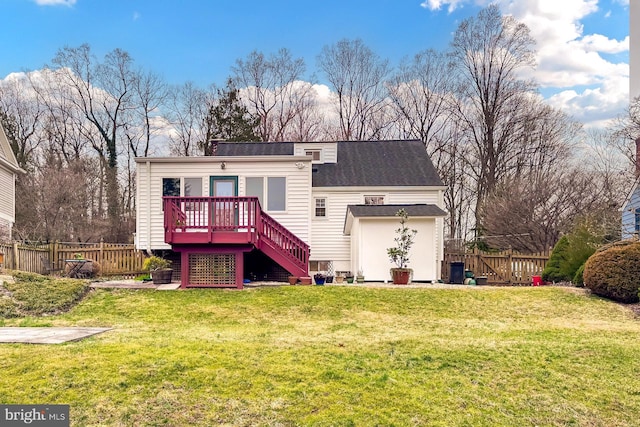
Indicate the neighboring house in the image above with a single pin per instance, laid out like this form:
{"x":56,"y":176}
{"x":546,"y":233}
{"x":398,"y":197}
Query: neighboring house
{"x":8,"y":172}
{"x":267,"y":210}
{"x":631,"y":205}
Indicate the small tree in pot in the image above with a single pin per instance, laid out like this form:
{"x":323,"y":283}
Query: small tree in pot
{"x":159,"y":269}
{"x":399,"y":255}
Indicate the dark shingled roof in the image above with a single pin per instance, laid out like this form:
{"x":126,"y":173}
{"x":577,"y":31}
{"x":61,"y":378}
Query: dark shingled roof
{"x":377,"y":164}
{"x":255,"y":149}
{"x":391,"y":210}
{"x":360,"y":163}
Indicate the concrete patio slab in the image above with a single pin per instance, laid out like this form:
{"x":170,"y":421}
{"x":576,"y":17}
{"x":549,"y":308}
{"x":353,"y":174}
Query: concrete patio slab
{"x":168,"y":287}
{"x":46,"y":335}
{"x":123,"y":284}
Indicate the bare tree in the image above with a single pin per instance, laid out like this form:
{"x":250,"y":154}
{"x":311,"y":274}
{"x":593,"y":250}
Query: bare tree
{"x":530,"y":213}
{"x":511,"y":134}
{"x":269,"y":86}
{"x":102,"y":92}
{"x":23,"y":117}
{"x":625,"y":131}
{"x":421,"y":94}
{"x":187,"y":110}
{"x":357,"y":75}
{"x":488,"y":51}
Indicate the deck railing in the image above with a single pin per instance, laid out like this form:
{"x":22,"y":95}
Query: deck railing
{"x":206,"y":218}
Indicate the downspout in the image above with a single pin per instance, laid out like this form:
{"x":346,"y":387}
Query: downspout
{"x":148,"y":214}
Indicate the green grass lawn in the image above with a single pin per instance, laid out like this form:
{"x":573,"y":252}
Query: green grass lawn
{"x":337,"y":356}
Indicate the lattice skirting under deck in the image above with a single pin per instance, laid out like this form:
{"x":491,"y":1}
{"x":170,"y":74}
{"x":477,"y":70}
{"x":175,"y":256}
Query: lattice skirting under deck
{"x":212,"y":269}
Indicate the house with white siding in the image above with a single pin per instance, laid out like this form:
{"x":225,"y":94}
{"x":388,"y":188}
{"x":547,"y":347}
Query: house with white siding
{"x":8,"y":172}
{"x":264,"y":211}
{"x":631,"y":206}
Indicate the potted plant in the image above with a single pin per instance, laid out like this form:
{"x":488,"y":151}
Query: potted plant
{"x":319,"y":278}
{"x":349,"y":277}
{"x":360,"y":276}
{"x":159,"y":269}
{"x":399,"y":255}
{"x":293,"y":280}
{"x":339,"y":278}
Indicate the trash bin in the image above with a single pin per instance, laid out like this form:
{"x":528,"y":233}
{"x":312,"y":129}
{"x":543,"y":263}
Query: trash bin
{"x":536,"y":280}
{"x":456,"y":275}
{"x":468,"y":274}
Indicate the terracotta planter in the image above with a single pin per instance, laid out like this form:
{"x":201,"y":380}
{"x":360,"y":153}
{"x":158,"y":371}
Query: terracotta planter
{"x":305,"y":280}
{"x":339,"y":279}
{"x":400,"y":276}
{"x":161,"y":277}
{"x":293,"y":280}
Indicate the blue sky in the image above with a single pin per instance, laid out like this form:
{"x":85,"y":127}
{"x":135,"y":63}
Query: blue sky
{"x":581,"y":42}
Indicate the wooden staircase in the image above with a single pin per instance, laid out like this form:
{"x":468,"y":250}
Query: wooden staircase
{"x":195,"y":223}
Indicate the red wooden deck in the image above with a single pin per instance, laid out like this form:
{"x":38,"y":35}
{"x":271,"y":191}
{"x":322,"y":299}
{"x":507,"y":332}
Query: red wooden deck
{"x":206,"y":222}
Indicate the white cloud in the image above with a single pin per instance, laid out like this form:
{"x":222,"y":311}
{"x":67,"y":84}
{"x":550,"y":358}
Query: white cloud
{"x":600,"y":43}
{"x":68,"y":3}
{"x":596,"y":106}
{"x":566,"y":56}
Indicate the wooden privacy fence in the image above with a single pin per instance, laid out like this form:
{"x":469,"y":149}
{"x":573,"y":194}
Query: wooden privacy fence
{"x":500,"y":268}
{"x":114,"y":258}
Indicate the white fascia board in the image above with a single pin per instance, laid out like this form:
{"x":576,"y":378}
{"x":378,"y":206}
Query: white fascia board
{"x":13,"y":168}
{"x":226,"y":159}
{"x":390,"y":189}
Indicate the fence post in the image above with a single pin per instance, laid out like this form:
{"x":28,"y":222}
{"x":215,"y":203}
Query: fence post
{"x":101,"y":254}
{"x":16,"y":256}
{"x":509,"y":266}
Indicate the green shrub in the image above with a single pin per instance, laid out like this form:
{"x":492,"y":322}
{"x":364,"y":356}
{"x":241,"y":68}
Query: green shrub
{"x":570,"y":253}
{"x":36,"y":294}
{"x":614,"y":272}
{"x":553,"y":272}
{"x":578,"y":279}
{"x":155,"y":263}
{"x":7,"y":307}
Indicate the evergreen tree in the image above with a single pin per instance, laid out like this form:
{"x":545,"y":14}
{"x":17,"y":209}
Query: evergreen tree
{"x":228,"y":119}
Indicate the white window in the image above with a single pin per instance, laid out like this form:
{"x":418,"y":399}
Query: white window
{"x":171,"y":187}
{"x":255,"y":188}
{"x":273,"y":197}
{"x":321,"y":207}
{"x":193,"y":187}
{"x":320,"y":266}
{"x":276,"y":194}
{"x":374,"y":200}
